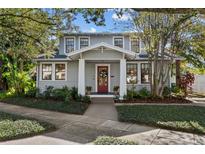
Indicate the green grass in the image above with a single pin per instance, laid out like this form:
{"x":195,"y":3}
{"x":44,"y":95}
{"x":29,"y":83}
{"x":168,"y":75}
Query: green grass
{"x":74,"y":108}
{"x":13,"y":127}
{"x":182,"y":118}
{"x":108,"y":140}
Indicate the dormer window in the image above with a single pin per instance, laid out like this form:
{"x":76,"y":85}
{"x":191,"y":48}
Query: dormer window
{"x":84,"y":42}
{"x":135,"y":45}
{"x":69,"y":44}
{"x":118,"y":41}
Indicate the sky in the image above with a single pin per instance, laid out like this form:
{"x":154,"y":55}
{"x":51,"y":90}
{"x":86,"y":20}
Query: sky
{"x":111,"y":21}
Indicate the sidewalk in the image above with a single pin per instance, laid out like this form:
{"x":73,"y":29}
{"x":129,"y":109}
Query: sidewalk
{"x":78,"y":129}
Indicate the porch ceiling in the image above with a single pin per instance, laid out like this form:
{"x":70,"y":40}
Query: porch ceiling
{"x":102,"y":47}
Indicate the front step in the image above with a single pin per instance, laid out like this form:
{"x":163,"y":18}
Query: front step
{"x":102,"y":100}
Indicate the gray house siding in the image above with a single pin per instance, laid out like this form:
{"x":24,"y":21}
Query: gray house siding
{"x":94,"y":40}
{"x":72,"y":78}
{"x":108,"y":54}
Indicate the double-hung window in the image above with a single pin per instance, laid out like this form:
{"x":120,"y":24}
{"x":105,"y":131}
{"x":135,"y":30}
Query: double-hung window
{"x":46,"y":71}
{"x":59,"y":71}
{"x":135,"y":45}
{"x":145,"y":73}
{"x":84,"y":42}
{"x":118,"y":41}
{"x":131,"y":73}
{"x":69,"y":44}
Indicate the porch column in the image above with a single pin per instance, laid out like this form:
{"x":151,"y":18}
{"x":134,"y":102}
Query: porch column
{"x":81,"y":77}
{"x":123,"y":74}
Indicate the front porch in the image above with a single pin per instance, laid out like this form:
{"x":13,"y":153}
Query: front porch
{"x":101,"y":77}
{"x":101,"y":68}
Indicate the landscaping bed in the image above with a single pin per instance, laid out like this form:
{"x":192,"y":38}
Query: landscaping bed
{"x":48,"y":104}
{"x":109,"y":140}
{"x":13,"y":127}
{"x":165,"y":100}
{"x":175,"y":117}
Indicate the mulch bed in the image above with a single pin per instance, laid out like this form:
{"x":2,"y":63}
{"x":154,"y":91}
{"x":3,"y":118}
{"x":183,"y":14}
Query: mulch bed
{"x":168,"y":100}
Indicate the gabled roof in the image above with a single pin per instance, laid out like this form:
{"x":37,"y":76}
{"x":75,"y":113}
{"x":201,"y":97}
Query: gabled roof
{"x":103,"y":44}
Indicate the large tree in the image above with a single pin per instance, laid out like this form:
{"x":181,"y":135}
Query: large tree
{"x":166,"y":35}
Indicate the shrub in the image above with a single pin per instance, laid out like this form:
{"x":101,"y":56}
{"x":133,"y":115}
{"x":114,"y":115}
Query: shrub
{"x":48,"y":92}
{"x":86,"y":99}
{"x":33,"y":92}
{"x":59,"y":94}
{"x":68,"y":99}
{"x":144,"y":93}
{"x":166,"y":91}
{"x":108,"y":140}
{"x":186,"y":82}
{"x":74,"y":93}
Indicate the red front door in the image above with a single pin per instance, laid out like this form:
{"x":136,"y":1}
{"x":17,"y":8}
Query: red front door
{"x":102,"y":77}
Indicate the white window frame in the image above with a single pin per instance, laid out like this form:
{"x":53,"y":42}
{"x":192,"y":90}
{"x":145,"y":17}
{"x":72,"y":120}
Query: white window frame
{"x":65,"y":70}
{"x":123,"y":41}
{"x":83,"y":37}
{"x":53,"y":70}
{"x":130,"y":39}
{"x":139,"y":72}
{"x":65,"y":43}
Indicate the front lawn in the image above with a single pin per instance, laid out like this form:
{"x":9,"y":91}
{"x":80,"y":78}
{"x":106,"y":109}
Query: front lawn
{"x":175,"y":117}
{"x":13,"y":126}
{"x":48,"y":104}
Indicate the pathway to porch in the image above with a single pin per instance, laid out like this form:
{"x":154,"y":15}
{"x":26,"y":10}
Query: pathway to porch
{"x":78,"y":129}
{"x":102,"y":108}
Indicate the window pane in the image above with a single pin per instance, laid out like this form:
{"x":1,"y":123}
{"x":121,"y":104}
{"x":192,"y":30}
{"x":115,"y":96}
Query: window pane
{"x":135,"y":45}
{"x":69,"y":45}
{"x":46,"y":71}
{"x":118,"y":42}
{"x":131,"y":73}
{"x":84,"y":42}
{"x":145,"y":73}
{"x":60,"y":71}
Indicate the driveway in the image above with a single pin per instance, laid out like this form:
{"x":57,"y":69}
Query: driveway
{"x":78,"y":129}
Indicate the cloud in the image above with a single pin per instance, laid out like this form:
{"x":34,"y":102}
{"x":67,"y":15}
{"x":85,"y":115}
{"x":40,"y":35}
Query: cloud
{"x":92,"y":30}
{"x":124,"y":17}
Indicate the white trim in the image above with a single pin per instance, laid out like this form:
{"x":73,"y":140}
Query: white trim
{"x":103,"y":96}
{"x":83,"y":37}
{"x":139,"y":71}
{"x":123,"y":78}
{"x":64,"y":41}
{"x":123,"y":41}
{"x":53,"y":70}
{"x":130,"y":38}
{"x":81,"y":77}
{"x":96,"y":76}
{"x":102,"y":44}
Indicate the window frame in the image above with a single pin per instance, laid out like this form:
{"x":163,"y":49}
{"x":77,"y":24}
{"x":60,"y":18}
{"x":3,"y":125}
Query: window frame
{"x":53,"y":70}
{"x":47,"y":71}
{"x":83,"y":37}
{"x":67,"y":37}
{"x":57,"y":72}
{"x":150,"y":78}
{"x":123,"y":42}
{"x":139,"y":50}
{"x":137,"y":73}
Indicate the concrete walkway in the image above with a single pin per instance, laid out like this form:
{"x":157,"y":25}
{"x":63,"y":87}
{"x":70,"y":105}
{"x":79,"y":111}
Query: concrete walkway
{"x":102,"y":108}
{"x":77,"y":129}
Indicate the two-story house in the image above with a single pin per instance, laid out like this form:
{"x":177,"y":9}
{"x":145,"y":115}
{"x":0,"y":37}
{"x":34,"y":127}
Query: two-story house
{"x":98,"y":60}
